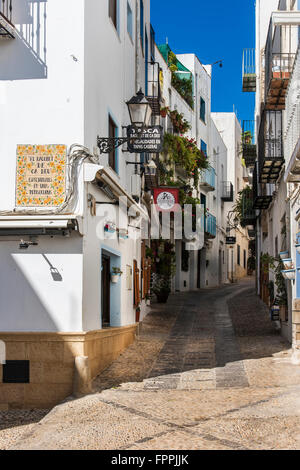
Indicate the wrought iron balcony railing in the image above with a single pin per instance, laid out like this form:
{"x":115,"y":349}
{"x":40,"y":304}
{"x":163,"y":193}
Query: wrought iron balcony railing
{"x":153,"y":91}
{"x":248,"y":211}
{"x":270,"y":147}
{"x":208,"y":179}
{"x":6,"y":18}
{"x":227,"y":191}
{"x":249,"y":75}
{"x":210,"y":226}
{"x":261,"y":198}
{"x":248,"y":143}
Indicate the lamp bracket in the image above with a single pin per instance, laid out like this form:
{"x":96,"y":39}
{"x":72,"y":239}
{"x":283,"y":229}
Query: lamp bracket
{"x":109,"y":144}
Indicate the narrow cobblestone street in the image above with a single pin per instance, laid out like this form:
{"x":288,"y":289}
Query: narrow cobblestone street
{"x":208,"y":371}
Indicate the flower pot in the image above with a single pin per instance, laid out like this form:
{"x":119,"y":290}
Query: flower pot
{"x":163,"y":113}
{"x":137,"y":315}
{"x":297,"y":248}
{"x":289,"y":274}
{"x":288,"y":263}
{"x":114,"y":278}
{"x":162,"y":297}
{"x":284,"y":254}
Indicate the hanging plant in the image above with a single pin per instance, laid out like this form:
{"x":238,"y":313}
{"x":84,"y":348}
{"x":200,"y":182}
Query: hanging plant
{"x":180,"y":125}
{"x":185,"y":154}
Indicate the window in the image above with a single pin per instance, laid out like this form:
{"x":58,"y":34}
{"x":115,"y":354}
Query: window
{"x":203,"y":147}
{"x":202,"y":110}
{"x":239,"y":255}
{"x":129,"y":21}
{"x":16,"y":372}
{"x":113,"y":133}
{"x":152,"y":44}
{"x":142,"y":22}
{"x":113,"y":6}
{"x":245,"y":259}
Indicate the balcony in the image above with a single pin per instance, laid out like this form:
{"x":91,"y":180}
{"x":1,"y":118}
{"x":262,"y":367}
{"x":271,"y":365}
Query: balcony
{"x":153,"y":88}
{"x":248,"y":211}
{"x":227,"y":191}
{"x":270,"y":147}
{"x":208,"y":179}
{"x":262,"y":197}
{"x":6,"y":25}
{"x":210,"y":226}
{"x":280,"y":51}
{"x":249,"y":75}
{"x":248,"y":143}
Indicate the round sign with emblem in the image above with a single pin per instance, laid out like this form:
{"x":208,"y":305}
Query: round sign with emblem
{"x":166,"y":200}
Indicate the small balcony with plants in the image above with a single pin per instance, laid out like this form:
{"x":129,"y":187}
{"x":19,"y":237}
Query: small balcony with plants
{"x":210,"y":226}
{"x":249,"y":144}
{"x":227,"y":191}
{"x":249,"y":74}
{"x":208,"y":179}
{"x":243,"y":209}
{"x":280,"y":52}
{"x":270,"y":147}
{"x":182,"y":78}
{"x":7,"y":29}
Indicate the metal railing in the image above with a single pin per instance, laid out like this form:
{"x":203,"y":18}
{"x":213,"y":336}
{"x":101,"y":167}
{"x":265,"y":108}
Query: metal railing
{"x":6,"y":9}
{"x":208,"y":178}
{"x":249,"y":66}
{"x":291,"y":133}
{"x":227,"y":191}
{"x":270,"y":144}
{"x":210,"y":225}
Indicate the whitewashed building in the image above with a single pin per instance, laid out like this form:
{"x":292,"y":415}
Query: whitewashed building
{"x":65,"y":77}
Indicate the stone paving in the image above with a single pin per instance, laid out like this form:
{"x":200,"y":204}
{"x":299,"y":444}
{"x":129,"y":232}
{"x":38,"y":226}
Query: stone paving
{"x":208,"y":371}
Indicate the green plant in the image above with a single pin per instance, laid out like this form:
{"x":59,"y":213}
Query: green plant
{"x":243,"y":205}
{"x":185,"y":154}
{"x":184,"y":86}
{"x":276,"y":266}
{"x":116,"y":271}
{"x":180,"y":125}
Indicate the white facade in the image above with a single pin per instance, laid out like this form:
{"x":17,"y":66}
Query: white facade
{"x":61,"y":78}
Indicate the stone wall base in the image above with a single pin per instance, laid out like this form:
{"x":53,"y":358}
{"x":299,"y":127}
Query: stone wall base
{"x":61,"y":364}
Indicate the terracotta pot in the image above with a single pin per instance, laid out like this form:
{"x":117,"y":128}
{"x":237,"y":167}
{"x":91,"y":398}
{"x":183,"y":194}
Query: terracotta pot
{"x":137,"y":315}
{"x":164,"y":113}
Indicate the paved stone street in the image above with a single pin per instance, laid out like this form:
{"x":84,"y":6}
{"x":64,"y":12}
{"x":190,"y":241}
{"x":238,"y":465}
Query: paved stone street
{"x":208,"y":371}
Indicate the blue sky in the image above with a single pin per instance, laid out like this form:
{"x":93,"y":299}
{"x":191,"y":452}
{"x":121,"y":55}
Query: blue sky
{"x":212,"y":30}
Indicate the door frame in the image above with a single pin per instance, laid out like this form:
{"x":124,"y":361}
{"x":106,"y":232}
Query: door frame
{"x":115,"y":289}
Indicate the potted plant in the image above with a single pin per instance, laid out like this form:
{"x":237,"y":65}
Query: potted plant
{"x":137,"y":314}
{"x":164,"y":112}
{"x":115,"y":275}
{"x":162,"y":289}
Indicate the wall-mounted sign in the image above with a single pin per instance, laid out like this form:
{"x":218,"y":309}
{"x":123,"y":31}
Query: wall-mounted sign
{"x":41,"y":175}
{"x":148,"y":140}
{"x":166,"y":199}
{"x":230,"y":240}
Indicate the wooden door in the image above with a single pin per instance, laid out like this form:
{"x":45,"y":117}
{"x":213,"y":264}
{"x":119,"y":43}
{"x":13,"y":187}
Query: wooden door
{"x":105,"y":291}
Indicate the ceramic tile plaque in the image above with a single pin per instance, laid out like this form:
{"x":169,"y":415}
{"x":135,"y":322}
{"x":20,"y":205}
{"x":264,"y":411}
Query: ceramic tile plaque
{"x":41,"y":175}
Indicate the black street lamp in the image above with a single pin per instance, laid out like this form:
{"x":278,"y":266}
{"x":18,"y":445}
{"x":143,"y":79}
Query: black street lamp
{"x":140,"y":113}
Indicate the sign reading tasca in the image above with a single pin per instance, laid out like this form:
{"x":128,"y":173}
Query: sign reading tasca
{"x":148,"y":140}
{"x":41,"y":175}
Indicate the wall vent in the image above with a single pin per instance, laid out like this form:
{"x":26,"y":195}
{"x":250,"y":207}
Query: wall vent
{"x":16,"y":372}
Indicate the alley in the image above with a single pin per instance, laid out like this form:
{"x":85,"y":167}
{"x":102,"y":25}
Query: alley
{"x":208,"y":371}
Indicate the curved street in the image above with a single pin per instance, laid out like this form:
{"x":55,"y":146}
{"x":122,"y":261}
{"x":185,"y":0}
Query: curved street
{"x":207,"y":371}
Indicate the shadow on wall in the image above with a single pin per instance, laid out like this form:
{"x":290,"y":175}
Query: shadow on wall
{"x":25,"y":56}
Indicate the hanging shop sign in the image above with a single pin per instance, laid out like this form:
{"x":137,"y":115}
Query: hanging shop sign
{"x":230,"y":240}
{"x":147,"y":140}
{"x":166,"y":199}
{"x":41,"y":175}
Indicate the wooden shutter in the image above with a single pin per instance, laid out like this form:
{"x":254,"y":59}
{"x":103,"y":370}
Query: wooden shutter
{"x":136,"y":276}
